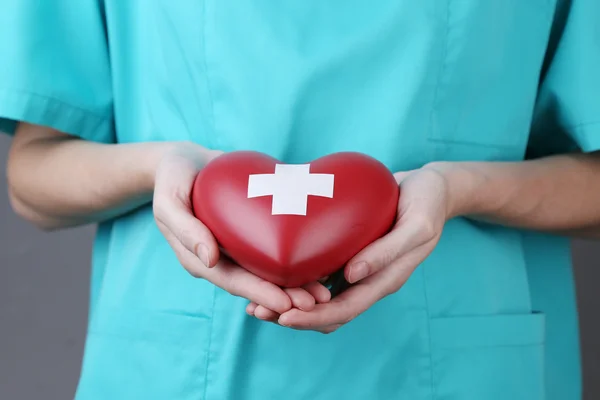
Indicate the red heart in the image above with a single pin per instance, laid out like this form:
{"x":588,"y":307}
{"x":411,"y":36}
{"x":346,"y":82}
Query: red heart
{"x":291,"y":250}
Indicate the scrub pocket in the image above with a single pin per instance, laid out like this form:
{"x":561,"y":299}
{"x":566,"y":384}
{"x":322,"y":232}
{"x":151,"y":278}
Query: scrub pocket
{"x":140,"y":354}
{"x":488,"y":358}
{"x":488,"y":77}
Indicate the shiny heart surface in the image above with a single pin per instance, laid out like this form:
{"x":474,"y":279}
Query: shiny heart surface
{"x":292,"y":224}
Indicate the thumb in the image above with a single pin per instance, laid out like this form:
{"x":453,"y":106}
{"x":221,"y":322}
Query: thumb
{"x":172,"y":206}
{"x":382,"y":252}
{"x":195,"y":237}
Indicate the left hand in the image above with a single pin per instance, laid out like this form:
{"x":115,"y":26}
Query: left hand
{"x":381,"y":268}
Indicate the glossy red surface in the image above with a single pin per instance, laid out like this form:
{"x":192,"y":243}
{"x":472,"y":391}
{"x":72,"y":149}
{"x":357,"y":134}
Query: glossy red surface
{"x":292,"y":250}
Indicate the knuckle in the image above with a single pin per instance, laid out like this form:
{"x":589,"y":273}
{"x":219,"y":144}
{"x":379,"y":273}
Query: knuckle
{"x":191,"y":241}
{"x":185,"y":237}
{"x":388,"y":256}
{"x":232,"y":285}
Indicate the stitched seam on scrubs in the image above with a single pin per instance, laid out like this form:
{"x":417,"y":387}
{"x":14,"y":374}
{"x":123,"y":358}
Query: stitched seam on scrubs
{"x":585,"y":140}
{"x":209,"y":345}
{"x":587,"y":136}
{"x":431,"y":374}
{"x":62,"y":102}
{"x":582,"y":125}
{"x":500,"y":346}
{"x":463,"y":142}
{"x":442,"y":70}
{"x":22,"y":105}
{"x":205,"y":62}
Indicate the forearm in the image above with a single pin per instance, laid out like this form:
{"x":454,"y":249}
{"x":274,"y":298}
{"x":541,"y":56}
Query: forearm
{"x":558,"y":194}
{"x":56,"y":181}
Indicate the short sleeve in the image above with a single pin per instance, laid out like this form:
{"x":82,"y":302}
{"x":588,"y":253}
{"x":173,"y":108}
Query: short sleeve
{"x":54,"y":67}
{"x":567,"y":116}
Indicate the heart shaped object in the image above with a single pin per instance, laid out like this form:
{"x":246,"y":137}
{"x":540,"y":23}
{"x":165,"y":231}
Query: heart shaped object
{"x":292,"y":224}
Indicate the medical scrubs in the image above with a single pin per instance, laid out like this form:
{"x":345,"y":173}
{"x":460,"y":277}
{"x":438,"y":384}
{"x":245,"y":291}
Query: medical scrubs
{"x":490,"y":315}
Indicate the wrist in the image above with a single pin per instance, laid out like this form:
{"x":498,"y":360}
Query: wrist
{"x":148,"y":160}
{"x":462,"y":186}
{"x":160,"y":152}
{"x":156,"y":152}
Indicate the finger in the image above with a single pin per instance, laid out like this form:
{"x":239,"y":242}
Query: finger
{"x":265,"y":314}
{"x":242,"y":283}
{"x":251,"y":307}
{"x":196,"y":232}
{"x":356,"y":300}
{"x":339,"y":310}
{"x":406,"y":236}
{"x":234,"y":279}
{"x":319,"y":292}
{"x":172,"y":200}
{"x":301,"y":299}
{"x":173,"y":212}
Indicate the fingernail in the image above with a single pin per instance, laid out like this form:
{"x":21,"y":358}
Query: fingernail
{"x":358,"y":271}
{"x":203,"y":254}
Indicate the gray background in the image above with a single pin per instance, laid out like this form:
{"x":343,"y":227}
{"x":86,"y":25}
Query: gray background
{"x":43,"y":306}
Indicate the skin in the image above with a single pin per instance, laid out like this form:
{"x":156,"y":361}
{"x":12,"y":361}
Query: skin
{"x":556,"y":194}
{"x":57,"y":181}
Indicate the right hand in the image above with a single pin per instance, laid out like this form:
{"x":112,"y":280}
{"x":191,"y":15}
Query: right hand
{"x":198,"y":251}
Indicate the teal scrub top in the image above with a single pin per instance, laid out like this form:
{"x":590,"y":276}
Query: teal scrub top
{"x":490,"y":315}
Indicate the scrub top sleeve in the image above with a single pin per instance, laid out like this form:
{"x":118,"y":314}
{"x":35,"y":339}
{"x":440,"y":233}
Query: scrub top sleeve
{"x":567,"y":115}
{"x":54,"y":67}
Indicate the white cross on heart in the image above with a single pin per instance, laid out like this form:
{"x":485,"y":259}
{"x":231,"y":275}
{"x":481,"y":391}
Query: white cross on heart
{"x":290,"y":186}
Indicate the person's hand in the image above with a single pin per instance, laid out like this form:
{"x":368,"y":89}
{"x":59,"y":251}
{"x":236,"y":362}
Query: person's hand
{"x":381,"y":268}
{"x":320,"y":294}
{"x":197,"y":249}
